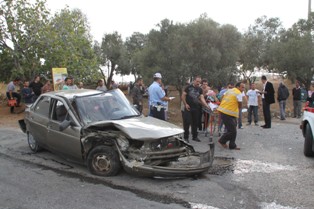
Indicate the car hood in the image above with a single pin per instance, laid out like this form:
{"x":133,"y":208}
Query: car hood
{"x":140,"y":128}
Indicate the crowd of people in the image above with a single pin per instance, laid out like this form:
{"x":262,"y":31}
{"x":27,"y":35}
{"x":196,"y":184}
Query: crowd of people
{"x":230,"y":101}
{"x":195,"y":102}
{"x":31,"y":90}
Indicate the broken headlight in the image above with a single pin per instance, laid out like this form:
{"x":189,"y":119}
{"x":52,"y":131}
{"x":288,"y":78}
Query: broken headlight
{"x":123,"y":143}
{"x":165,"y":143}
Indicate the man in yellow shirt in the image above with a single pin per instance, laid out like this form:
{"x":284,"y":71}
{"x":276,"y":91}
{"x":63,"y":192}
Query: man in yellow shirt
{"x":229,"y":110}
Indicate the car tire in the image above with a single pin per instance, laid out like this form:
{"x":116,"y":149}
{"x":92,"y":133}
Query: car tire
{"x":32,"y":143}
{"x":308,"y":142}
{"x":103,"y":161}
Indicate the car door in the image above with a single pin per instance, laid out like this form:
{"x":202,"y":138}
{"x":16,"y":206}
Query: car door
{"x":66,"y":142}
{"x":38,"y":120}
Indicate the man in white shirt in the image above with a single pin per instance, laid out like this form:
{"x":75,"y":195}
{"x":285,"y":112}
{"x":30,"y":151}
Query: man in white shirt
{"x":69,"y":84}
{"x":253,"y":103}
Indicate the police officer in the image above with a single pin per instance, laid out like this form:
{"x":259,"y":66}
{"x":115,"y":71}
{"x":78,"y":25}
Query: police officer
{"x":157,"y":98}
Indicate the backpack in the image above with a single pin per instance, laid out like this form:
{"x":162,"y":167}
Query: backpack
{"x":303,"y":95}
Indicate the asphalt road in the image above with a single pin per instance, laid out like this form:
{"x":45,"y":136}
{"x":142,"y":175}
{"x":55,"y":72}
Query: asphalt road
{"x":269,"y":172}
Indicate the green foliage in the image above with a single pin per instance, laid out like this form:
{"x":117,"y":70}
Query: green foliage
{"x":113,"y":56}
{"x":134,"y":46}
{"x":255,"y":46}
{"x":219,"y":53}
{"x":29,"y":35}
{"x":293,"y":53}
{"x":6,"y":65}
{"x":21,"y":24}
{"x":67,"y":43}
{"x":181,"y":51}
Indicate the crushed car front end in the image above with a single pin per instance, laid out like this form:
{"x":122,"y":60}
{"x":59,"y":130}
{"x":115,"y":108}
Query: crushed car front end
{"x":172,"y":161}
{"x":145,"y":151}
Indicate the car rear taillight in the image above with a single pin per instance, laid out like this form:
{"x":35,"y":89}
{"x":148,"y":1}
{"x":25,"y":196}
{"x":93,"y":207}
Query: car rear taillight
{"x":308,"y":108}
{"x":170,"y":145}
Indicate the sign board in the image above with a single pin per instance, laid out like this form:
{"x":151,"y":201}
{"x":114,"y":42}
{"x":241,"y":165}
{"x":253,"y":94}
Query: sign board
{"x":58,"y":76}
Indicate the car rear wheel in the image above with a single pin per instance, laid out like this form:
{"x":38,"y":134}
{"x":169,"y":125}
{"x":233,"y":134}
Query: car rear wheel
{"x":308,"y":142}
{"x":32,"y":143}
{"x":103,"y":161}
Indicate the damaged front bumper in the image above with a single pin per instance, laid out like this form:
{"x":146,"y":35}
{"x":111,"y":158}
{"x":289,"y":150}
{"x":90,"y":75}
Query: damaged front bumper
{"x":189,"y":165}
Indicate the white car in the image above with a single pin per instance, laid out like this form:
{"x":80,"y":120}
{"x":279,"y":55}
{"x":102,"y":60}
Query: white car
{"x":307,"y":127}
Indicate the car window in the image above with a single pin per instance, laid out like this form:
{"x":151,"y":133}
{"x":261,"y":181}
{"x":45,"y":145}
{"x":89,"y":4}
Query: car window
{"x":59,"y":111}
{"x":42,"y":107}
{"x":75,"y":110}
{"x":111,"y":105}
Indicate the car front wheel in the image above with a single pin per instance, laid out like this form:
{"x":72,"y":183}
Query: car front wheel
{"x":103,"y":161}
{"x":308,"y":142}
{"x":32,"y":143}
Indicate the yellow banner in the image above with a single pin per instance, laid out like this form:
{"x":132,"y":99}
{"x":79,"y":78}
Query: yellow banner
{"x":58,"y":76}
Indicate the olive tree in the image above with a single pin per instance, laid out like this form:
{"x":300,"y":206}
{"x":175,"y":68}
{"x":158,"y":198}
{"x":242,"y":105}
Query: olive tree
{"x":68,"y":43}
{"x":21,"y":26}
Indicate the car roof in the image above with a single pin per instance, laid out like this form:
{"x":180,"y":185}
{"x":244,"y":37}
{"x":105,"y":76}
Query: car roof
{"x":71,"y":93}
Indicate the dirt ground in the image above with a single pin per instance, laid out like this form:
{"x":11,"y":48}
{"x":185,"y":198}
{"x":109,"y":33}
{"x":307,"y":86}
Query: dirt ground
{"x":10,"y":120}
{"x":174,"y":114}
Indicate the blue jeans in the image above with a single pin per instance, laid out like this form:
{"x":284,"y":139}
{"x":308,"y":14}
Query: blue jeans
{"x":297,"y":105}
{"x":240,"y":118}
{"x":282,"y":106}
{"x":254,"y":110}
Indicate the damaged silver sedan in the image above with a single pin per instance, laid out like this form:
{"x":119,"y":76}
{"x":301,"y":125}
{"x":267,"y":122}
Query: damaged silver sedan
{"x":105,"y":132}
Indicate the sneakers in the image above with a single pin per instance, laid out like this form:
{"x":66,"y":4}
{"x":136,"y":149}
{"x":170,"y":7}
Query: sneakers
{"x":196,"y":139}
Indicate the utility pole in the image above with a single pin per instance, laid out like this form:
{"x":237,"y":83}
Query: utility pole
{"x":309,"y":11}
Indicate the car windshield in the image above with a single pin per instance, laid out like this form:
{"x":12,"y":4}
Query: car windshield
{"x":111,"y":105}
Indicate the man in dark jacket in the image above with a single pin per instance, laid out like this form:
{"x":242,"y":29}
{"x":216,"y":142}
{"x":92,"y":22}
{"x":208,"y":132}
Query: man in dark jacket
{"x":283,"y":94}
{"x":137,"y":94}
{"x":268,"y":98}
{"x":297,"y":104}
{"x":36,"y":86}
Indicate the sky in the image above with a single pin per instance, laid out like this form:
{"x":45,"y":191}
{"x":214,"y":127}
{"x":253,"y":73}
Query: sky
{"x":129,"y":16}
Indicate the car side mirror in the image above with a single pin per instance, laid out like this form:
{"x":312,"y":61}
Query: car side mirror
{"x":65,"y":124}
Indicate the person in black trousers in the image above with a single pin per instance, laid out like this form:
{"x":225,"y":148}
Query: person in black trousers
{"x":192,"y":98}
{"x":268,"y":98}
{"x":297,"y":103}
